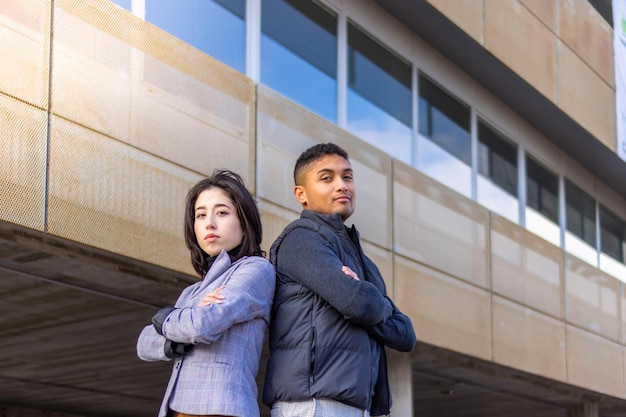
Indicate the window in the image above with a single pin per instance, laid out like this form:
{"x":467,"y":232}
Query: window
{"x":612,"y":234}
{"x":299,"y":53}
{"x":444,"y":145}
{"x":216,"y":27}
{"x":126,"y":4}
{"x":542,"y":201}
{"x":379,"y":95}
{"x":580,"y":213}
{"x":497,"y":169}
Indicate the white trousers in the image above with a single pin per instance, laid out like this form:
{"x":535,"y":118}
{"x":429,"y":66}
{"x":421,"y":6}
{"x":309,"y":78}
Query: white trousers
{"x":316,"y":408}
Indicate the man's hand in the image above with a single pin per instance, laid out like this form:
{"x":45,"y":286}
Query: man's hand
{"x":346,"y":270}
{"x":212,"y":297}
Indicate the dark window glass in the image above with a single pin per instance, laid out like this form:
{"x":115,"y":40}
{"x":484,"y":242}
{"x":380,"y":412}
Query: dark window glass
{"x":581,"y":213}
{"x":542,"y":187}
{"x":612,"y":234}
{"x":216,"y":27}
{"x":497,"y":159}
{"x":299,"y":53}
{"x":444,"y":120}
{"x":379,"y":76}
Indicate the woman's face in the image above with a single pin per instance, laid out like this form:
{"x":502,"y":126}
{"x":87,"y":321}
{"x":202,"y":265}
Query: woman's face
{"x":216,"y":222}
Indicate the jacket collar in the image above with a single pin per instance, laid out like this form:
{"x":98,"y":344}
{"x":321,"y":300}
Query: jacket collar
{"x":221,"y":264}
{"x":334,"y":221}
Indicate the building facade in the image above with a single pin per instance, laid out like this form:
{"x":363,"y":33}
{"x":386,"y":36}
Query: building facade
{"x":483,"y":137}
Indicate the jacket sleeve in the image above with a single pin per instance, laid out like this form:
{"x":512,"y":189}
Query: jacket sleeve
{"x":247,"y":295}
{"x":308,"y":259}
{"x":151,"y":345}
{"x":396,"y":332}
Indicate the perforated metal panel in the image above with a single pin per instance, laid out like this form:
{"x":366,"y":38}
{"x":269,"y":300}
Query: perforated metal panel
{"x":24,"y":33}
{"x":137,"y":117}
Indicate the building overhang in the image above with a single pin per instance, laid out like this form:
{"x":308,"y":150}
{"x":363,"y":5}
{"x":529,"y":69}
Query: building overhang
{"x":547,"y":118}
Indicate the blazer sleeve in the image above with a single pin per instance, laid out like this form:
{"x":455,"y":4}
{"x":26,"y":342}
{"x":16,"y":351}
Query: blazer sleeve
{"x":308,"y":259}
{"x":151,"y":345}
{"x":248,"y":295}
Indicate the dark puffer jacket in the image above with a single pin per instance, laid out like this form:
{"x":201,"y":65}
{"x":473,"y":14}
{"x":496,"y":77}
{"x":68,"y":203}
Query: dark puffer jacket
{"x":327,"y":330}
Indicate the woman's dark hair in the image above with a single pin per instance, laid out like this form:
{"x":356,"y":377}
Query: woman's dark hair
{"x":247,"y":211}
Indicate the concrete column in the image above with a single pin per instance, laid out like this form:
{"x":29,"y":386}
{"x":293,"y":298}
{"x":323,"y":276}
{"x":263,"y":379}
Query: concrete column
{"x":400,"y":379}
{"x":583,"y":410}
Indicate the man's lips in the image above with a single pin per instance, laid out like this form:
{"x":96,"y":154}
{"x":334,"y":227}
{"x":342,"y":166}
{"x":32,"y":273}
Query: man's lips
{"x":343,"y":199}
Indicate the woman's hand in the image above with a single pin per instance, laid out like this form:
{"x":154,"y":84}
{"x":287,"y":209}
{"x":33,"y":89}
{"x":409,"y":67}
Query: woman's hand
{"x":346,"y":270}
{"x":212,"y":297}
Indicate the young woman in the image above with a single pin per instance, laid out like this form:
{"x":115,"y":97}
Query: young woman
{"x":215,"y":331}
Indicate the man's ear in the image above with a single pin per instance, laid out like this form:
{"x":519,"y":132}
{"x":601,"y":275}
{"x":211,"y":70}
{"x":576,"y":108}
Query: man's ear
{"x":300,"y":193}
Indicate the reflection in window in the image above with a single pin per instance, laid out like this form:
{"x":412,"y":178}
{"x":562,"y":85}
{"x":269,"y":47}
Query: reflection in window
{"x":216,"y":27}
{"x":126,"y":4}
{"x":542,"y":201}
{"x":612,"y":234}
{"x":379,"y":95}
{"x":445,"y":139}
{"x":580,"y":213}
{"x":497,"y":169}
{"x":299,"y":53}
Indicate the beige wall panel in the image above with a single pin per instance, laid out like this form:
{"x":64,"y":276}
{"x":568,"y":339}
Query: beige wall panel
{"x":586,"y":32}
{"x":200,"y":144}
{"x":438,"y":227}
{"x":545,"y":10}
{"x":592,"y":361}
{"x":158,"y":93}
{"x":23,"y":151}
{"x":383,"y":258}
{"x":90,"y":76}
{"x":445,"y":311}
{"x":592,"y":299}
{"x":286,"y":129}
{"x":466,"y":14}
{"x":24,"y":28}
{"x":109,"y":195}
{"x":274,"y":218}
{"x":526,"y":268}
{"x":585,"y":97}
{"x":527,"y":340}
{"x":522,"y":42}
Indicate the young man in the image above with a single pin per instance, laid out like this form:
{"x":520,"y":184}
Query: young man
{"x":331,"y":317}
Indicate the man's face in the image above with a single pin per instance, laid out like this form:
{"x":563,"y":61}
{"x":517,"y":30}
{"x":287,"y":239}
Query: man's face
{"x":328,"y":187}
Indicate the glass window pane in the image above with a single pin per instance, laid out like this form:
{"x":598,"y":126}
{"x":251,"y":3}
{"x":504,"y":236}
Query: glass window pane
{"x":542,"y":187}
{"x":216,"y":27}
{"x":580,"y":213}
{"x":444,"y":143}
{"x":379,"y":95}
{"x":299,"y":53}
{"x":542,"y":201}
{"x":126,"y":4}
{"x":612,"y":234}
{"x":497,"y":169}
{"x":444,"y":120}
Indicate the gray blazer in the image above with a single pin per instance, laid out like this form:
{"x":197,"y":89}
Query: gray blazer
{"x":218,"y":376}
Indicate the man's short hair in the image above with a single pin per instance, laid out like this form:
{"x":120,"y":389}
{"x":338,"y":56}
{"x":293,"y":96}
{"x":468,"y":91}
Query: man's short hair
{"x":315,"y":153}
